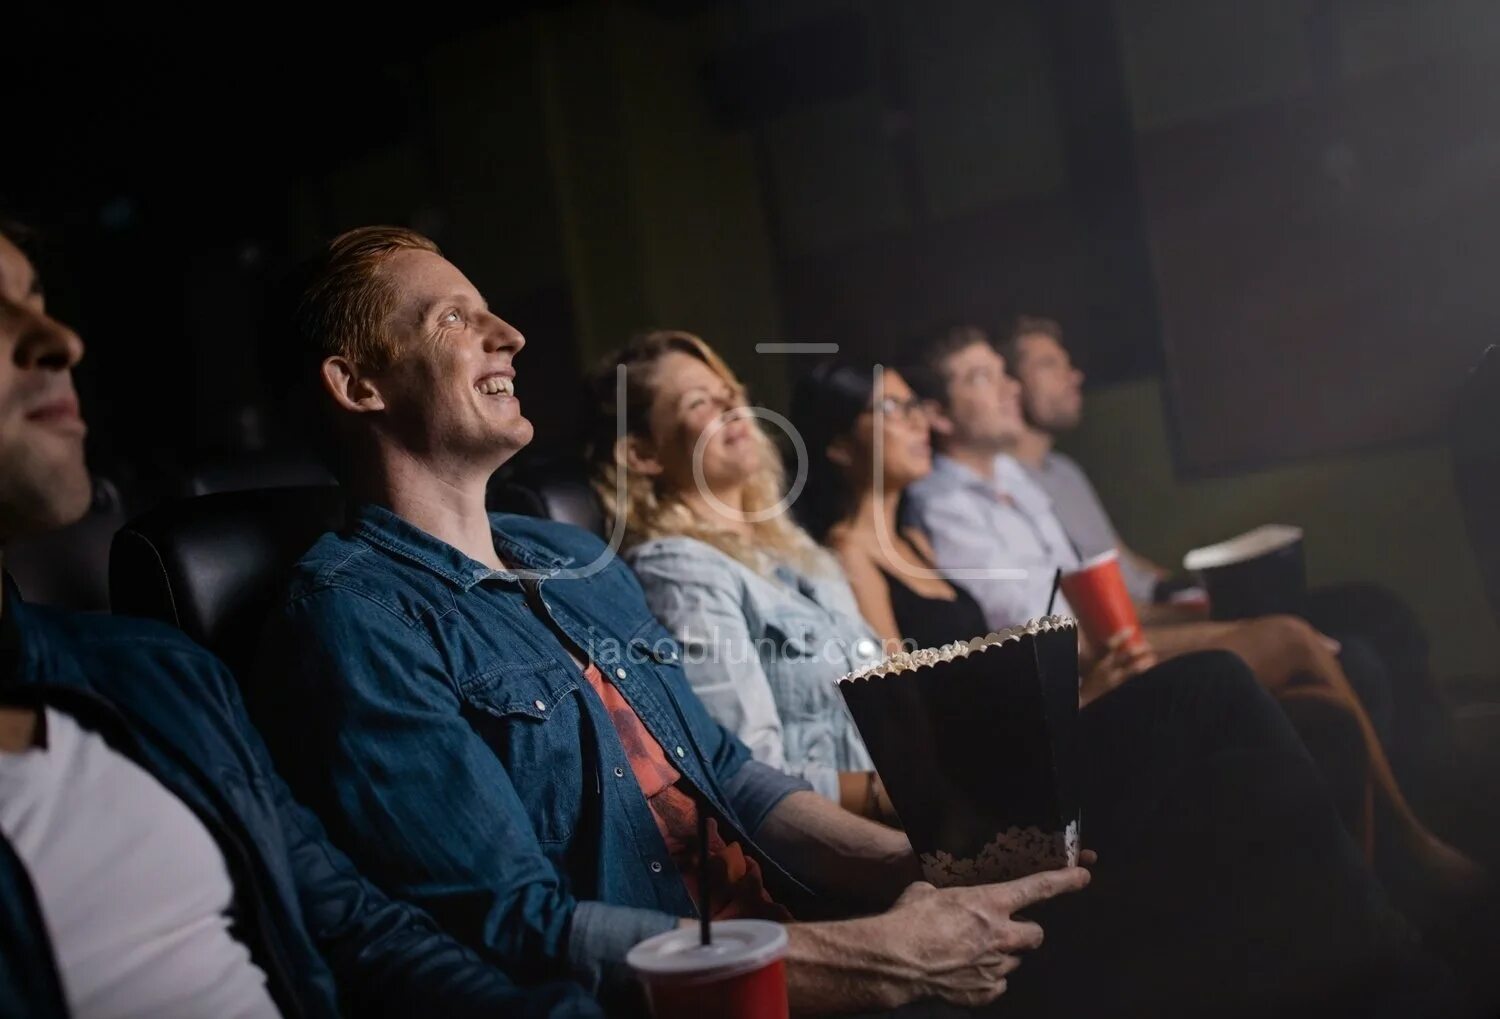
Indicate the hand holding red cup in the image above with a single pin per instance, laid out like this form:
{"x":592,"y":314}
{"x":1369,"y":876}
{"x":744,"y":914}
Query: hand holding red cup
{"x":1096,"y":591}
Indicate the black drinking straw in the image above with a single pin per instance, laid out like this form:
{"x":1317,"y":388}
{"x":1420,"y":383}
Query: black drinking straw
{"x":705,"y":898}
{"x":1056,"y":583}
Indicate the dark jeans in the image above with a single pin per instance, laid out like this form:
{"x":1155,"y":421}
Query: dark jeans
{"x":1226,"y":884}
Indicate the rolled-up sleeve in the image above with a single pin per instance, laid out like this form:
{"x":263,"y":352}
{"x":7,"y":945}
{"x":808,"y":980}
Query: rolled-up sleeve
{"x":756,"y":789}
{"x":601,"y":935}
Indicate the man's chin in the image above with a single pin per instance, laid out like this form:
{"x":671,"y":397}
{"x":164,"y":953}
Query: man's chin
{"x":72,"y":494}
{"x":516,"y":437}
{"x":55,"y":503}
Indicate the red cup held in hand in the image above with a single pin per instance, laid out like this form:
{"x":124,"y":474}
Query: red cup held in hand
{"x":740,"y":975}
{"x":1100,"y":600}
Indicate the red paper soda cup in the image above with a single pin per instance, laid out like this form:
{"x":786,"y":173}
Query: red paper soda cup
{"x":742,"y":975}
{"x":1100,"y":600}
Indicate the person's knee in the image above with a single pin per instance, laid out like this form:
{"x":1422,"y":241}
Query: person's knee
{"x":1217,"y":679}
{"x":1226,"y":670}
{"x":1290,"y":631}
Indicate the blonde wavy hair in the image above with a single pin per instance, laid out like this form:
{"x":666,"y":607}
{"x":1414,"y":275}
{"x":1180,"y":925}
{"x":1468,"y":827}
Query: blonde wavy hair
{"x":649,"y":509}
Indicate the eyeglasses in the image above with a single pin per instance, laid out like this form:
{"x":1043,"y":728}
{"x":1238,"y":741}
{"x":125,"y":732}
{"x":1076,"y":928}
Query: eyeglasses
{"x":891,"y":407}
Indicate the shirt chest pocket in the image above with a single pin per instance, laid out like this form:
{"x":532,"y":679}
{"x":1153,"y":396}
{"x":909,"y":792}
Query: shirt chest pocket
{"x":802,"y":663}
{"x":532,"y":717}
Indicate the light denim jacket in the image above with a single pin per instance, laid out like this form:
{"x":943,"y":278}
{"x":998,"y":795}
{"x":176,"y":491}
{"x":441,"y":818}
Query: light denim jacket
{"x":765,"y":655}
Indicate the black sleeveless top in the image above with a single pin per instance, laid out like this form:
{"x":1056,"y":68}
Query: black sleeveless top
{"x":931,"y":622}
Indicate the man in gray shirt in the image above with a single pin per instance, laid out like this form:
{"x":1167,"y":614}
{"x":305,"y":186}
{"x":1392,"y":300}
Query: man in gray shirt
{"x":1407,"y":708}
{"x":1052,"y":402}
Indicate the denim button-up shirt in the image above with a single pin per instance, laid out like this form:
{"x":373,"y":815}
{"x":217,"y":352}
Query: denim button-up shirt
{"x":429,"y":708}
{"x":765,"y":653}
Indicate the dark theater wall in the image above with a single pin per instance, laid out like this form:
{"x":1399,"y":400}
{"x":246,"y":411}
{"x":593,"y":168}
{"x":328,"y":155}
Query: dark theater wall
{"x":971,"y":162}
{"x":1319,"y":189}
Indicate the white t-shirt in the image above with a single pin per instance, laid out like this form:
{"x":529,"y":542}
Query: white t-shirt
{"x":133,"y":889}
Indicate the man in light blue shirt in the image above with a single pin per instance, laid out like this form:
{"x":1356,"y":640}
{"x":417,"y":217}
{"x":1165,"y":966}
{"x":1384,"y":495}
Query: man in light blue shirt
{"x":992,"y":528}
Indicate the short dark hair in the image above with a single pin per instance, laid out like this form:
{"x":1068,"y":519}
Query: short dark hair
{"x":921,"y":358}
{"x":1026,"y":325}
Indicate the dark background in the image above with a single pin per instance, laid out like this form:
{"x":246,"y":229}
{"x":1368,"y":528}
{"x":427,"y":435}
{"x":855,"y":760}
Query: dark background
{"x":1267,"y":227}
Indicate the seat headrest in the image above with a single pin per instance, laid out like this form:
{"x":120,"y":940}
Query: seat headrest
{"x":556,"y":489}
{"x":213,"y":564}
{"x":261,"y":470}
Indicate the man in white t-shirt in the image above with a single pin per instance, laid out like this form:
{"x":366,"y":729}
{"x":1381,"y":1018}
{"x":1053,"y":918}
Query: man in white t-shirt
{"x":152,"y":864}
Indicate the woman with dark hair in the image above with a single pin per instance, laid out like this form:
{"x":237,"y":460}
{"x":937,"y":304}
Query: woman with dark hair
{"x":844,"y":504}
{"x":866,"y":436}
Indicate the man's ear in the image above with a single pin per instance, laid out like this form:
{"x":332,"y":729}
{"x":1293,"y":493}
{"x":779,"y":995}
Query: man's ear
{"x":638,"y":455}
{"x":349,"y":389}
{"x":937,"y":419}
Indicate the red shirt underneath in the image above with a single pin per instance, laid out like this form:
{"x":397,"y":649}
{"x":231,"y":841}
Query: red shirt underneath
{"x":738,"y":888}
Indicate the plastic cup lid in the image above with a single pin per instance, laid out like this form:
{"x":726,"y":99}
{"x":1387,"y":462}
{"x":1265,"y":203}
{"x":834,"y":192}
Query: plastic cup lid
{"x":1092,"y":561}
{"x":739,"y":946}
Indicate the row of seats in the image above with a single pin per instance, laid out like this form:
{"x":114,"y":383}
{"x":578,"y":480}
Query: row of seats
{"x":212,"y":565}
{"x":68,"y":567}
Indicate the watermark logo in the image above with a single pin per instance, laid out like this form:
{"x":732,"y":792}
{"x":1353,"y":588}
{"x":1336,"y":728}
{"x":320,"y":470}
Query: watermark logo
{"x":903,"y":564}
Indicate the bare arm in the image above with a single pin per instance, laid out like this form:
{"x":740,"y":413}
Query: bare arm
{"x":837,"y":851}
{"x":872,"y":593}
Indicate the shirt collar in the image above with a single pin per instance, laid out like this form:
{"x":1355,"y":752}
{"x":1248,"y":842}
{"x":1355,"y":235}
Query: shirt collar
{"x":1007,"y":469}
{"x":1010,"y":480}
{"x":953,"y":472}
{"x":384,"y":528}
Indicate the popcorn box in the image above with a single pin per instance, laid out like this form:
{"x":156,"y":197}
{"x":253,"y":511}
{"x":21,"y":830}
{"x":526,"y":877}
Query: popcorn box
{"x":977,"y":744}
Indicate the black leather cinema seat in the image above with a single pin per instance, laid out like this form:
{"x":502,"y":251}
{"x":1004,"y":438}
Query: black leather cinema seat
{"x":213,"y":565}
{"x":557,"y":489}
{"x":256,"y":471}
